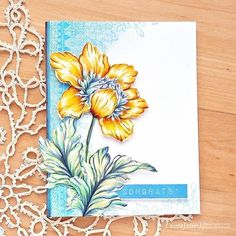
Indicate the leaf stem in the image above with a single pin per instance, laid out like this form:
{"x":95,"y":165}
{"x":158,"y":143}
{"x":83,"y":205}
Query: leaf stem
{"x":89,"y":136}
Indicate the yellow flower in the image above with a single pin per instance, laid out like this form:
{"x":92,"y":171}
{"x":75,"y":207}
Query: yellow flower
{"x":99,"y":88}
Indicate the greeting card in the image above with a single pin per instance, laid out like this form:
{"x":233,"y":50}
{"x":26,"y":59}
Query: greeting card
{"x":122,"y":133}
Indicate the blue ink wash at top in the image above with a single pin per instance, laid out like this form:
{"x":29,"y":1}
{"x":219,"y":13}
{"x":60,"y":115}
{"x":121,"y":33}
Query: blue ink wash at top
{"x":72,"y":36}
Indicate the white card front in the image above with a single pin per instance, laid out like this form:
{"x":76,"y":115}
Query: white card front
{"x":90,"y":67}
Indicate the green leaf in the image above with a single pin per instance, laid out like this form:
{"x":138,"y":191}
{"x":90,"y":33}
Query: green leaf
{"x":54,"y":179}
{"x":52,"y":160}
{"x":123,"y":165}
{"x":62,"y":156}
{"x":98,"y":162}
{"x":78,"y":193}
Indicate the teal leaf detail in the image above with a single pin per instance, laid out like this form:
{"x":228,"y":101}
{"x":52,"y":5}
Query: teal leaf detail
{"x":78,"y":193}
{"x":62,"y":157}
{"x":123,"y":165}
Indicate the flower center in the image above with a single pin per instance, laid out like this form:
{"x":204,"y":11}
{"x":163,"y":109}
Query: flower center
{"x":92,"y":83}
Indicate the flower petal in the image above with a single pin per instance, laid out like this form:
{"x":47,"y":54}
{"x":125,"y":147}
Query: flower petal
{"x":117,"y":128}
{"x":71,"y":104}
{"x":124,"y":73}
{"x":132,"y":93}
{"x":135,"y":108}
{"x":94,"y":61}
{"x":67,"y":67}
{"x":103,"y":102}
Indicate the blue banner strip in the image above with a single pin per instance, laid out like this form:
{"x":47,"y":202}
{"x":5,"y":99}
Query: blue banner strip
{"x":154,"y":191}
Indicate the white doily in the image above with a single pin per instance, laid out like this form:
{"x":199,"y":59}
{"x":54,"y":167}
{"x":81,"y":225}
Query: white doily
{"x":22,"y":118}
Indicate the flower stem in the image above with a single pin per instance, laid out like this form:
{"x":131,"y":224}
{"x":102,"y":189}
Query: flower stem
{"x":89,"y":137}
